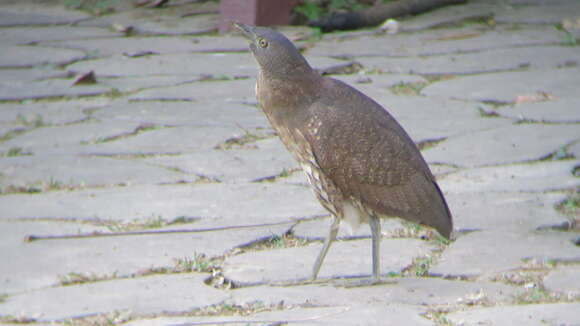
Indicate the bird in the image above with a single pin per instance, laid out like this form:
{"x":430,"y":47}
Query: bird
{"x":359,"y":161}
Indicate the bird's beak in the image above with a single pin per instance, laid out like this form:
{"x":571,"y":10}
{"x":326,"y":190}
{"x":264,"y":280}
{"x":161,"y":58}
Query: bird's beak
{"x":247,"y":30}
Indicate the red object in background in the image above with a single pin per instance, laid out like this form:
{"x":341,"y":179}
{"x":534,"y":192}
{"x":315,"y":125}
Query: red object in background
{"x":254,"y":12}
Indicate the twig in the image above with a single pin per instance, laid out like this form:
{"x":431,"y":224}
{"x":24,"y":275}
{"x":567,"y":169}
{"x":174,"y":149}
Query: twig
{"x":30,"y":238}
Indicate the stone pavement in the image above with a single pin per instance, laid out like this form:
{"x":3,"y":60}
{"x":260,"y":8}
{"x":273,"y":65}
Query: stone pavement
{"x":160,"y":195}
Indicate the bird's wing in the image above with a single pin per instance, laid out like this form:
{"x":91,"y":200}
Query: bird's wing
{"x":360,"y":147}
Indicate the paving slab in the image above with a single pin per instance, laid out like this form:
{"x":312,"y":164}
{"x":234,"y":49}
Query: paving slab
{"x":23,"y":76}
{"x":52,"y":88}
{"x":68,"y":138}
{"x":207,"y":113}
{"x":476,"y":254}
{"x":533,"y":177}
{"x":408,"y":291}
{"x":552,"y":13}
{"x":378,"y":83}
{"x":133,"y":84}
{"x":533,"y":315}
{"x":13,"y":14}
{"x":193,"y":64}
{"x":158,"y":22}
{"x":166,"y":141}
{"x":267,"y":159}
{"x":437,"y":41}
{"x":344,"y":259}
{"x":446,"y":16}
{"x":157,"y":44}
{"x":49,"y":113}
{"x":557,"y":111}
{"x":221,"y":204}
{"x":20,"y":56}
{"x":574,"y":149}
{"x":504,"y":145}
{"x":514,"y":211}
{"x":157,"y":294}
{"x":507,"y":86}
{"x":374,"y":315}
{"x":43,"y":263}
{"x":537,"y":57}
{"x":220,"y":92}
{"x":563,"y":280}
{"x":69,"y":171}
{"x":367,"y":315}
{"x":28,"y":34}
{"x":15,"y":232}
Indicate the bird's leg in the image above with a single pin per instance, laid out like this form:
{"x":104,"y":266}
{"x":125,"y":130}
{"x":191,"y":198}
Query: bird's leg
{"x":375,"y":224}
{"x":331,"y":237}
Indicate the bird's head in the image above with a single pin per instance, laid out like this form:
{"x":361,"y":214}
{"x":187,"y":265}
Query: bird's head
{"x":275,"y":54}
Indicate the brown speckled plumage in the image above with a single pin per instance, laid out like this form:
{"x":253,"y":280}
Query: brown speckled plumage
{"x":360,"y":162}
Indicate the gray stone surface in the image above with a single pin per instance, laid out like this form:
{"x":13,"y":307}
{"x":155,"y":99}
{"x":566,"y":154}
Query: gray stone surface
{"x":344,"y":259}
{"x":437,"y":41}
{"x":192,"y":64}
{"x":23,"y":76}
{"x":49,"y":113}
{"x":533,"y":315}
{"x":551,"y":14}
{"x":153,"y":23}
{"x":478,"y":62}
{"x":514,"y":211}
{"x":217,"y":92}
{"x":506,"y":87}
{"x":166,"y":140}
{"x":408,"y":291}
{"x":69,"y":138}
{"x":265,"y":159}
{"x":208,"y":113}
{"x":476,"y":254}
{"x":26,"y":35}
{"x":157,"y":294}
{"x":222,"y":204}
{"x":158,"y":45}
{"x":563,"y":280}
{"x":378,"y":83}
{"x":574,"y":149}
{"x":446,"y":16}
{"x":105,"y":257}
{"x":558,"y":110}
{"x":13,"y":13}
{"x":52,"y":88}
{"x":132,"y":84}
{"x":69,"y":171}
{"x":504,"y":145}
{"x":29,"y":56}
{"x":199,"y":64}
{"x":371,"y":314}
{"x":533,"y":177}
{"x":170,"y":143}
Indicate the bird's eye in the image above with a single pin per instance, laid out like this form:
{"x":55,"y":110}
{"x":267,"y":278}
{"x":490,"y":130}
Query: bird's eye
{"x":262,"y":43}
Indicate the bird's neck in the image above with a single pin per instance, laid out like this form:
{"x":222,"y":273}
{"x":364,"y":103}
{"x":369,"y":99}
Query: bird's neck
{"x":283,"y":92}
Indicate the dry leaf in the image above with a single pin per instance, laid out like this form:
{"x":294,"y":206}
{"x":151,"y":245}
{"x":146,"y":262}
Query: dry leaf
{"x":85,"y":79}
{"x":536,"y":97}
{"x":122,"y":28}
